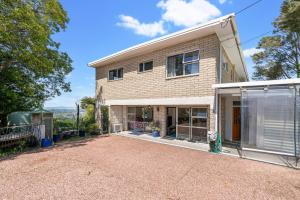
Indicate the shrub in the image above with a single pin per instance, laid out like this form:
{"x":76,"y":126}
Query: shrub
{"x":32,"y":142}
{"x":105,"y":118}
{"x":93,"y":129}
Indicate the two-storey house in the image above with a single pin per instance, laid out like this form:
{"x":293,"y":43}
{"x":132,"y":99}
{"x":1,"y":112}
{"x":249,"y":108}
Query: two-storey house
{"x":169,"y":80}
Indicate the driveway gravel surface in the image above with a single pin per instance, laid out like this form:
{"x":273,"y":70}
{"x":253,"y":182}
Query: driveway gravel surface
{"x":116,"y":167}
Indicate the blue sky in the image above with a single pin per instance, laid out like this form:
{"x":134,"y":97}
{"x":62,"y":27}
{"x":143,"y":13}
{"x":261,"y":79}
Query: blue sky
{"x":99,"y":28}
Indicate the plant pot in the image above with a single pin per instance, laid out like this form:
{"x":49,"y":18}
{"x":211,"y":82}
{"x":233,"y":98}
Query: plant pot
{"x":81,"y":133}
{"x":56,"y":138}
{"x":46,"y":143}
{"x":155,"y":133}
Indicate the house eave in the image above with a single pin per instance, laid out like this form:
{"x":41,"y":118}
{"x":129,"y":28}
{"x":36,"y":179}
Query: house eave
{"x":162,"y":42}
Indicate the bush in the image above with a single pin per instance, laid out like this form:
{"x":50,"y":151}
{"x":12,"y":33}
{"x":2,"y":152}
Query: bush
{"x":32,"y":142}
{"x":105,"y":118}
{"x":61,"y":124}
{"x":93,"y":129}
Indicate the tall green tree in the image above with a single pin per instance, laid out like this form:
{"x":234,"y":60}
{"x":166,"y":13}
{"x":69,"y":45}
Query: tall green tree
{"x":86,"y":101}
{"x":279,"y":57}
{"x":32,"y":69}
{"x":89,"y":104}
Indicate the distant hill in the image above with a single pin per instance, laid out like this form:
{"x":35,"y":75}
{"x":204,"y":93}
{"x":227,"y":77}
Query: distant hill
{"x":64,"y":112}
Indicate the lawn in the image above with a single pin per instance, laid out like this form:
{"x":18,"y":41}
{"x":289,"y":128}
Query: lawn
{"x":116,"y":167}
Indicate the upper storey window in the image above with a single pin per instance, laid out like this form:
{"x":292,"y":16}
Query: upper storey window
{"x":146,"y":66}
{"x":183,"y":64}
{"x":115,"y":74}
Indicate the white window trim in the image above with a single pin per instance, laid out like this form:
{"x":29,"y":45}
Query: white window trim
{"x":184,"y":75}
{"x":191,"y":119}
{"x":117,"y":72}
{"x":227,"y":66}
{"x":191,"y":61}
{"x":149,"y":70}
{"x":197,"y":117}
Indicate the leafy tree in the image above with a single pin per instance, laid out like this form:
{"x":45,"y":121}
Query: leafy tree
{"x":89,"y":116}
{"x":280,"y":55}
{"x":86,"y":101}
{"x":32,"y":69}
{"x":89,"y":121}
{"x":89,"y":104}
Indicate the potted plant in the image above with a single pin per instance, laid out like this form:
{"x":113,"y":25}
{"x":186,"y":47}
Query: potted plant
{"x":56,"y":135}
{"x":155,"y":127}
{"x":82,"y":127}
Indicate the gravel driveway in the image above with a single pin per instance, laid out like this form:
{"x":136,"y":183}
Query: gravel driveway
{"x":116,"y":167}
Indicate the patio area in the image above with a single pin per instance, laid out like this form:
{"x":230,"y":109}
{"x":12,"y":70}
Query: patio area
{"x":116,"y":167}
{"x":201,"y":146}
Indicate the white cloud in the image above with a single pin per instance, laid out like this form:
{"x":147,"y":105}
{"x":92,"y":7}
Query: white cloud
{"x":225,"y":1}
{"x":250,"y":52}
{"x":147,"y":29}
{"x":188,"y":13}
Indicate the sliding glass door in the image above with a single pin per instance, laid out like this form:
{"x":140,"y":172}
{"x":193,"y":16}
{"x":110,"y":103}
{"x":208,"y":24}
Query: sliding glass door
{"x":199,"y":124}
{"x":183,"y":123}
{"x":139,"y":118}
{"x":192,"y":123}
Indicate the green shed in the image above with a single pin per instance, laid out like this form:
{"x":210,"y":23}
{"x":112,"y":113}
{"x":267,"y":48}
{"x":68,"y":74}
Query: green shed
{"x":19,"y":118}
{"x":41,"y":117}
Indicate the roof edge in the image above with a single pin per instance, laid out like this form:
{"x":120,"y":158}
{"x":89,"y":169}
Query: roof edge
{"x":238,"y":43}
{"x":160,"y":39}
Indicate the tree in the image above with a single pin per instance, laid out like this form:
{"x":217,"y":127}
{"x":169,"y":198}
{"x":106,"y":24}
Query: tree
{"x":89,"y":104}
{"x":89,"y":118}
{"x":280,"y":55}
{"x":32,"y":69}
{"x":86,"y":101}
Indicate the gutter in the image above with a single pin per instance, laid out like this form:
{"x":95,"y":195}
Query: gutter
{"x":160,"y":39}
{"x":238,"y":45}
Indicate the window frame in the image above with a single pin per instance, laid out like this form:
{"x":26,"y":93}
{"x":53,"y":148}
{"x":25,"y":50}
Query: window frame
{"x":225,"y":66}
{"x":121,"y":68}
{"x":199,"y":117}
{"x":149,"y":70}
{"x":184,"y":63}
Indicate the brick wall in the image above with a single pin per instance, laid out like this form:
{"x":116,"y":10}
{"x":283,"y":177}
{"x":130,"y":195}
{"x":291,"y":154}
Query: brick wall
{"x":153,"y":84}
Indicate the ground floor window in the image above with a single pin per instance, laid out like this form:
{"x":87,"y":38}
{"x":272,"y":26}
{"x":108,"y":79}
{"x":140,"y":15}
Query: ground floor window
{"x":139,"y":118}
{"x":192,"y":123}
